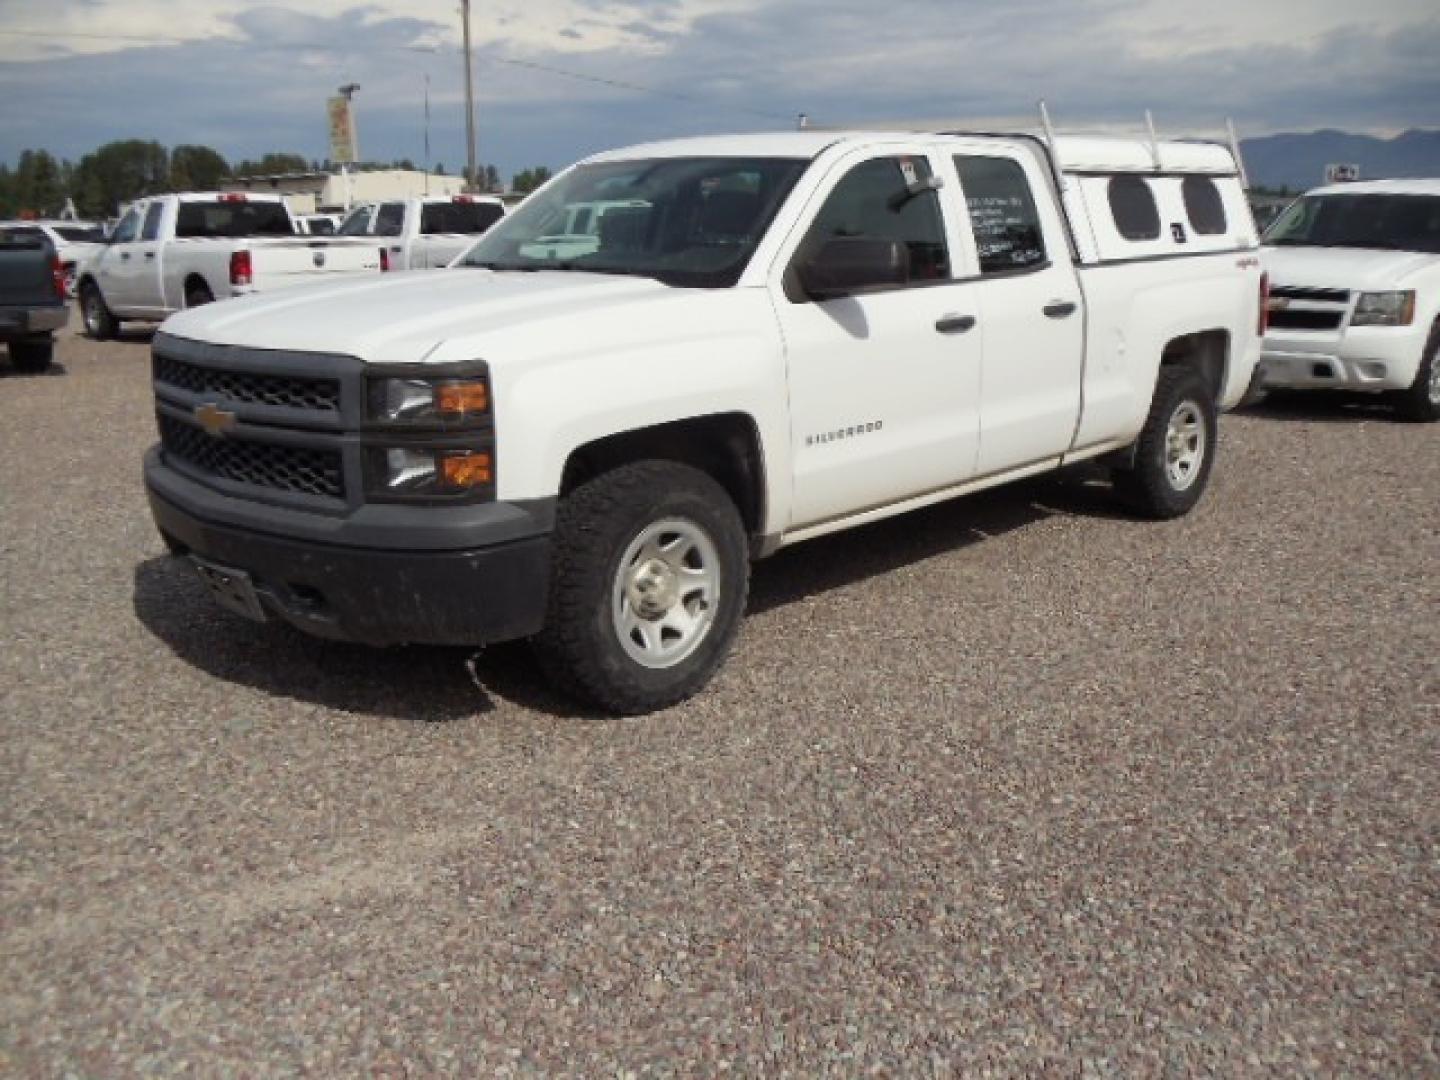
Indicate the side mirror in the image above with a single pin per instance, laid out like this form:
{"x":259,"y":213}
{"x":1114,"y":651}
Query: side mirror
{"x":847,"y":264}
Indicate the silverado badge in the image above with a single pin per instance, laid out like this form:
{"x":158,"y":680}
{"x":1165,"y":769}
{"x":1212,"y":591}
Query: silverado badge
{"x":214,"y":420}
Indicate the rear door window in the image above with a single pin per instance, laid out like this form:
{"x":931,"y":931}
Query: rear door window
{"x":389,"y":219}
{"x":1003,"y":215}
{"x":151,"y":230}
{"x":1132,"y":204}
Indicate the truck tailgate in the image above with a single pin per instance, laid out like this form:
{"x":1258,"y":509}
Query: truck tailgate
{"x":26,"y":277}
{"x":277,"y":263}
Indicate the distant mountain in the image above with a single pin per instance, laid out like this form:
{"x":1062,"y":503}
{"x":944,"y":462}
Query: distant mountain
{"x":1298,"y":160}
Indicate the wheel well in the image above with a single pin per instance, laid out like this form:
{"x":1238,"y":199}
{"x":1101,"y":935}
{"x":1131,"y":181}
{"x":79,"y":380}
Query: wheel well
{"x":726,"y":446}
{"x":1208,"y":352}
{"x":192,"y":281}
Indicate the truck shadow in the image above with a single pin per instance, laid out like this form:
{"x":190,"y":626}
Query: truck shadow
{"x":10,"y":371}
{"x":430,"y":684}
{"x":410,"y":684}
{"x":833,"y":562}
{"x":1322,"y":407}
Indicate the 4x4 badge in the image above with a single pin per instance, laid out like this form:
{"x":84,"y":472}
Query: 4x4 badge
{"x":213,"y":419}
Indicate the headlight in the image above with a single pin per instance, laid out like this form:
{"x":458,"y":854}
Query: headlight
{"x":422,"y":401}
{"x":428,"y":474}
{"x":1384,"y":309}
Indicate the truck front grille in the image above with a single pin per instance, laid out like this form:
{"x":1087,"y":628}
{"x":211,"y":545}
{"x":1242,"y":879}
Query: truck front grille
{"x":1303,"y":292}
{"x":246,"y":387}
{"x":1308,"y":307}
{"x":276,"y":467}
{"x":1306,"y":319}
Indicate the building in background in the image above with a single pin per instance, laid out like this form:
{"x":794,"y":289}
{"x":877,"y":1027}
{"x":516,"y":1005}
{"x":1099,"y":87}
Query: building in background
{"x":323,"y":192}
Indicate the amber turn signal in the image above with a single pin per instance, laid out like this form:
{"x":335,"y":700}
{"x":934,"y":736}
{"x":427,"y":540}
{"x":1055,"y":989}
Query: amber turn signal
{"x":464,"y":471}
{"x":461,"y":398}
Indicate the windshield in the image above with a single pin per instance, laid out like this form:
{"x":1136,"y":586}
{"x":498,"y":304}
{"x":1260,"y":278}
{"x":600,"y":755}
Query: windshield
{"x":690,"y":222}
{"x":1387,"y":222}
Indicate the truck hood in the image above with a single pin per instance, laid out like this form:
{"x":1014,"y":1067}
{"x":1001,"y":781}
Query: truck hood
{"x":1359,"y":269}
{"x":400,"y":318}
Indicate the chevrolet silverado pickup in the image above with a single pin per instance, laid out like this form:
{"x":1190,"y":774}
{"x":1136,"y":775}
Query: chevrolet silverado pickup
{"x":772,"y":337}
{"x":171,"y":252}
{"x":1355,"y":297}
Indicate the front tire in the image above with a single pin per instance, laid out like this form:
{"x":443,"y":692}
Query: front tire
{"x":32,"y":355}
{"x":1421,"y":402}
{"x":1175,"y":450}
{"x":100,"y":324}
{"x":651,"y":573}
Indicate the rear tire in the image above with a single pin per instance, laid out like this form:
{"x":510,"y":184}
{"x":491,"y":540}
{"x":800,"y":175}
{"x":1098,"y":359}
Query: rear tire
{"x":32,"y":355}
{"x":651,"y":572}
{"x":1421,"y":402}
{"x":1175,"y":450}
{"x":100,"y":324}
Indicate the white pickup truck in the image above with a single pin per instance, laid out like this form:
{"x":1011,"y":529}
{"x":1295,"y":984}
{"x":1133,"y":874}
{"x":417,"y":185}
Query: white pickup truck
{"x":170,"y":252}
{"x":1355,"y":297}
{"x":421,"y":233}
{"x":776,"y":337}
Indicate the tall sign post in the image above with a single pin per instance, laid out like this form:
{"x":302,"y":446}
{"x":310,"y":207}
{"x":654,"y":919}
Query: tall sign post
{"x":343,"y":143}
{"x":469,"y":98}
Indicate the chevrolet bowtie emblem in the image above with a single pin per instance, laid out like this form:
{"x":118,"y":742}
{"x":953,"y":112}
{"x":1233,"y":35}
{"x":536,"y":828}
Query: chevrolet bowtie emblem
{"x":214,"y":420}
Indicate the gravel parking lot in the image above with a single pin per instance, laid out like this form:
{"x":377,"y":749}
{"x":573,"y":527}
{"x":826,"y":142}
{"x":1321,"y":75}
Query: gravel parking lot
{"x":1010,"y":786}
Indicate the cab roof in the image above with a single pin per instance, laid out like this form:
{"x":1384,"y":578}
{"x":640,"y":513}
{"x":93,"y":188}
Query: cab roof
{"x":1075,"y":154}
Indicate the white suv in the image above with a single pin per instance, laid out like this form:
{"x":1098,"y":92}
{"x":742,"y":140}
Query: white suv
{"x":1355,"y":294}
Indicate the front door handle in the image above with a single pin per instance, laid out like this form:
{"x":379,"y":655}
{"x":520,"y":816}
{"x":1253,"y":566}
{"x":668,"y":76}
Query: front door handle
{"x":955,"y":324}
{"x":125,"y":256}
{"x":1060,"y":309}
{"x":149,"y":254}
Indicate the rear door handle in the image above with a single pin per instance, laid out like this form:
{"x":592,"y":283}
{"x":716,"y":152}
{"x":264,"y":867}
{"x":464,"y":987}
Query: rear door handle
{"x":1060,"y":309}
{"x":125,"y":255}
{"x":955,"y":324}
{"x":149,"y":254}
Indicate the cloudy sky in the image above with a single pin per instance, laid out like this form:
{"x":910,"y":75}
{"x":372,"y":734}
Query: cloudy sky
{"x":246,"y":78}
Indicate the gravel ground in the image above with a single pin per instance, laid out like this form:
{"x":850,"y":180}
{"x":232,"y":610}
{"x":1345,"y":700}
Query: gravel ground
{"x":1010,"y":786}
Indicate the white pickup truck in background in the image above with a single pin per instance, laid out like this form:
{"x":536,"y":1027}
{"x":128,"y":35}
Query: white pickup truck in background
{"x":1355,"y":294}
{"x":420,"y":233}
{"x":768,"y":338}
{"x":170,"y":252}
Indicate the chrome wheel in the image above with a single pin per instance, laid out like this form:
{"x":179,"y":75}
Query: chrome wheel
{"x":1184,"y":445}
{"x":666,"y":593}
{"x":1435,"y":378}
{"x":90,"y":309}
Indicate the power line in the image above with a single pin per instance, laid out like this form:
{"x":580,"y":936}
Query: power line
{"x":529,"y":65}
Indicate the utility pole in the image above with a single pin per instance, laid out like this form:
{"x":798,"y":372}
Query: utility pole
{"x":469,"y":96}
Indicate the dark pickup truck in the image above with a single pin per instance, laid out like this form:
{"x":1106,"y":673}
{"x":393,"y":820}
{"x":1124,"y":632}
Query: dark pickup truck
{"x":32,"y":301}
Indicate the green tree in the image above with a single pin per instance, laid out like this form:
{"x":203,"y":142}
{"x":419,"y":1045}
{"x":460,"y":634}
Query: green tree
{"x":197,"y":168}
{"x":273,"y":164}
{"x":38,"y":184}
{"x":118,"y":172}
{"x":530,"y":179}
